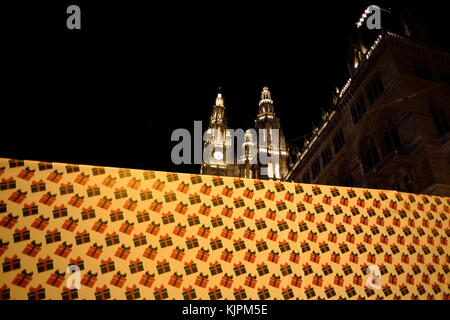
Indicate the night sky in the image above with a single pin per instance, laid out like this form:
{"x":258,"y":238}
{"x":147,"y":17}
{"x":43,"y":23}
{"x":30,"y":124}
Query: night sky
{"x":112,"y":93}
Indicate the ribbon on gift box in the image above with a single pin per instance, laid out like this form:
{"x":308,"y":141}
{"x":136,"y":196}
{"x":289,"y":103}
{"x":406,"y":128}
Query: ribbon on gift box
{"x":55,"y":277}
{"x":18,"y":196}
{"x":29,"y":249}
{"x":146,"y":278}
{"x":118,"y":278}
{"x":22,"y":276}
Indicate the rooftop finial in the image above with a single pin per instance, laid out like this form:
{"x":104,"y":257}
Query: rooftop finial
{"x":265,"y":94}
{"x":219,"y":99}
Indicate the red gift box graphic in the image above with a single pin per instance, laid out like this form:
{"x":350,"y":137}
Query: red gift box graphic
{"x":93,"y":191}
{"x":76,"y":201}
{"x":70,"y":224}
{"x":134,"y":183}
{"x":82,"y":179}
{"x":228,"y":192}
{"x":274,"y":281}
{"x":291,"y":215}
{"x":151,"y":252}
{"x":296,"y":281}
{"x":99,"y":226}
{"x":294,"y":257}
{"x":176,"y":280}
{"x":270,"y":214}
{"x":239,"y":293}
{"x":146,"y":194}
{"x":193,"y":198}
{"x":156,"y":206}
{"x":11,"y":264}
{"x":270,"y":195}
{"x":37,"y":293}
{"x":357,"y":280}
{"x":95,"y":251}
{"x":183,"y":187}
{"x":37,"y":186}
{"x":335,"y":257}
{"x":89,"y":279}
{"x":289,"y":196}
{"x":215,"y":293}
{"x":181,"y":208}
{"x":202,"y":254}
{"x":177,"y":254}
{"x":119,"y":279}
{"x":227,"y":211}
{"x":102,"y":293}
{"x":123,"y":252}
{"x":249,"y":213}
{"x":9,"y":221}
{"x":32,"y":249}
{"x":18,"y":196}
{"x":132,"y":293}
{"x":263,"y":293}
{"x":204,"y":210}
{"x":248,"y":193}
{"x":250,"y":256}
{"x":66,"y":188}
{"x":153,"y":228}
{"x":7,"y":184}
{"x":227,"y":233}
{"x":272,"y":235}
{"x":56,"y":279}
{"x":202,"y":280}
{"x":104,"y":203}
{"x":226,"y":281}
{"x":204,"y":231}
{"x":23,"y":279}
{"x":179,"y":230}
{"x":107,"y":265}
{"x":147,"y":279}
{"x":109,"y":181}
{"x":158,"y":185}
{"x":64,"y":250}
{"x":55,"y":176}
{"x":127,"y":227}
{"x":160,"y":293}
{"x":250,"y":281}
{"x":205,"y":189}
{"x":274,"y":256}
{"x":249,"y":234}
{"x":130,"y":205}
{"x":26,"y":174}
{"x":48,"y":199}
{"x":238,"y":183}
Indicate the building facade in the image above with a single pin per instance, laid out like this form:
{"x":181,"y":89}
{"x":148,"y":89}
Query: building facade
{"x":389,"y":126}
{"x":262,"y":153}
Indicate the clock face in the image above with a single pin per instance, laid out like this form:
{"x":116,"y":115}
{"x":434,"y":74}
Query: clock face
{"x":218,"y":155}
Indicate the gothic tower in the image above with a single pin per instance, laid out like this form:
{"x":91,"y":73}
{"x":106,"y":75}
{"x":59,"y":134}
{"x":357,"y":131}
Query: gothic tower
{"x":217,"y":142}
{"x":270,"y":144}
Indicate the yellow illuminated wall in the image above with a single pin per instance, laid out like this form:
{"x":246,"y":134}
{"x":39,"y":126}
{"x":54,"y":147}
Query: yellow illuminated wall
{"x":138,"y":234}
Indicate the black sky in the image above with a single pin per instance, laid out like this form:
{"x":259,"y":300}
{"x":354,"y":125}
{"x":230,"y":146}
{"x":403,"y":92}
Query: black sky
{"x":112,"y":93}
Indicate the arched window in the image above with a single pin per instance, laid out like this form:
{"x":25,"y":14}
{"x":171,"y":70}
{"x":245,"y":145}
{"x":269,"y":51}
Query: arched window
{"x":391,"y":141}
{"x":369,"y":154}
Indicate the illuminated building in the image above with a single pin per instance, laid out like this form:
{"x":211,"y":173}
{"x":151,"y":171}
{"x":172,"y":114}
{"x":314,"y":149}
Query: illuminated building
{"x":389,"y":126}
{"x":266,"y":141}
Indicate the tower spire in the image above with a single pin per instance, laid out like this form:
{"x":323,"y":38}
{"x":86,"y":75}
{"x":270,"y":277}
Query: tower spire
{"x":218,"y":117}
{"x":266,"y":103}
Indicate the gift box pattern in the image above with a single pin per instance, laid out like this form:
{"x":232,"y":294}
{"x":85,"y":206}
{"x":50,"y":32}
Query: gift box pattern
{"x":138,"y":234}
